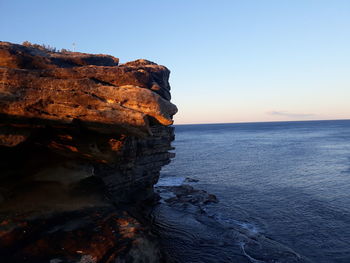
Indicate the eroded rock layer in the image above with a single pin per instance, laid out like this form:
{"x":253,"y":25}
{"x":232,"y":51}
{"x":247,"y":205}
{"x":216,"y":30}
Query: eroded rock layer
{"x":79,"y":132}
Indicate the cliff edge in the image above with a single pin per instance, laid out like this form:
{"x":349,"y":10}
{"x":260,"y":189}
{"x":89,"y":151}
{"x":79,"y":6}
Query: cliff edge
{"x":82,"y":141}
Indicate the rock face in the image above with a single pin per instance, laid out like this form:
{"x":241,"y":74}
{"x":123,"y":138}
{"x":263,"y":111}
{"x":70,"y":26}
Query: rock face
{"x":80,"y":137}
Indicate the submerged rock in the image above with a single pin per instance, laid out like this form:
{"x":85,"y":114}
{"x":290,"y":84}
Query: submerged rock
{"x":191,"y":180}
{"x":82,"y":139}
{"x":189,"y":231}
{"x":187,"y":194}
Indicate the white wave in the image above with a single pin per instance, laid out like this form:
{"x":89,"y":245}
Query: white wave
{"x":170,"y":181}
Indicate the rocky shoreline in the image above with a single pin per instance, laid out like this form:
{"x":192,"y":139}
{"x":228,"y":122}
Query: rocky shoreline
{"x":82,"y":140}
{"x":191,"y":229}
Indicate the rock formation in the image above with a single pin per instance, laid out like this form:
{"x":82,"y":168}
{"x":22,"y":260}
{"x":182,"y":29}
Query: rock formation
{"x":82,"y":141}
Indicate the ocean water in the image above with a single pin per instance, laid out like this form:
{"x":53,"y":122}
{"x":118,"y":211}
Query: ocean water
{"x":283,"y":190}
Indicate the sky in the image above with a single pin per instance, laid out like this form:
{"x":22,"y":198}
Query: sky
{"x":230,"y":61}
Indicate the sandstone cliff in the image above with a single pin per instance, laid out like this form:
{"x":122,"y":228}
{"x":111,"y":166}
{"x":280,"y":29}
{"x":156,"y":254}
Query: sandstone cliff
{"x":82,"y":139}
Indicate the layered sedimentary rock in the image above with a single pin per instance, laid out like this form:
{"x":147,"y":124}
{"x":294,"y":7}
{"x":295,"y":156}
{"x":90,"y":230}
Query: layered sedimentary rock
{"x":80,"y":137}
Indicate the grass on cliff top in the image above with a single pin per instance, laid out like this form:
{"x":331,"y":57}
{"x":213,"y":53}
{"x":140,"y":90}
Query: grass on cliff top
{"x":45,"y":47}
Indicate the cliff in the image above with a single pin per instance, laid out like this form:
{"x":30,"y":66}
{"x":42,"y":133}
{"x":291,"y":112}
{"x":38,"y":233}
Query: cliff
{"x":82,"y":141}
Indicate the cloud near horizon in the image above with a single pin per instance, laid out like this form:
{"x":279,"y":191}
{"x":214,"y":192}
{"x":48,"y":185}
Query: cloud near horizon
{"x":291,"y":115}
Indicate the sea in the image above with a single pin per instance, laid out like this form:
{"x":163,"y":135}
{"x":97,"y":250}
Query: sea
{"x":283,"y":191}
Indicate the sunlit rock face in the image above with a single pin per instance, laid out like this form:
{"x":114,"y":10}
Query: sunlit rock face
{"x":79,"y":134}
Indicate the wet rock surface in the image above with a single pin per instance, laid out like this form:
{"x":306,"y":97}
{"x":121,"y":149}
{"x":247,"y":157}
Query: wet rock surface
{"x":82,"y":142}
{"x":189,"y":232}
{"x":187,"y":194}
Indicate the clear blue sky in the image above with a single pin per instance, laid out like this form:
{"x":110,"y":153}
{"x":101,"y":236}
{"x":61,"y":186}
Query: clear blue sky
{"x":231,"y":61}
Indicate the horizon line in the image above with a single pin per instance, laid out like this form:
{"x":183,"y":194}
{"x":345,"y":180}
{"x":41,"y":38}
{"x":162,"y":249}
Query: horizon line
{"x":243,"y":122}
